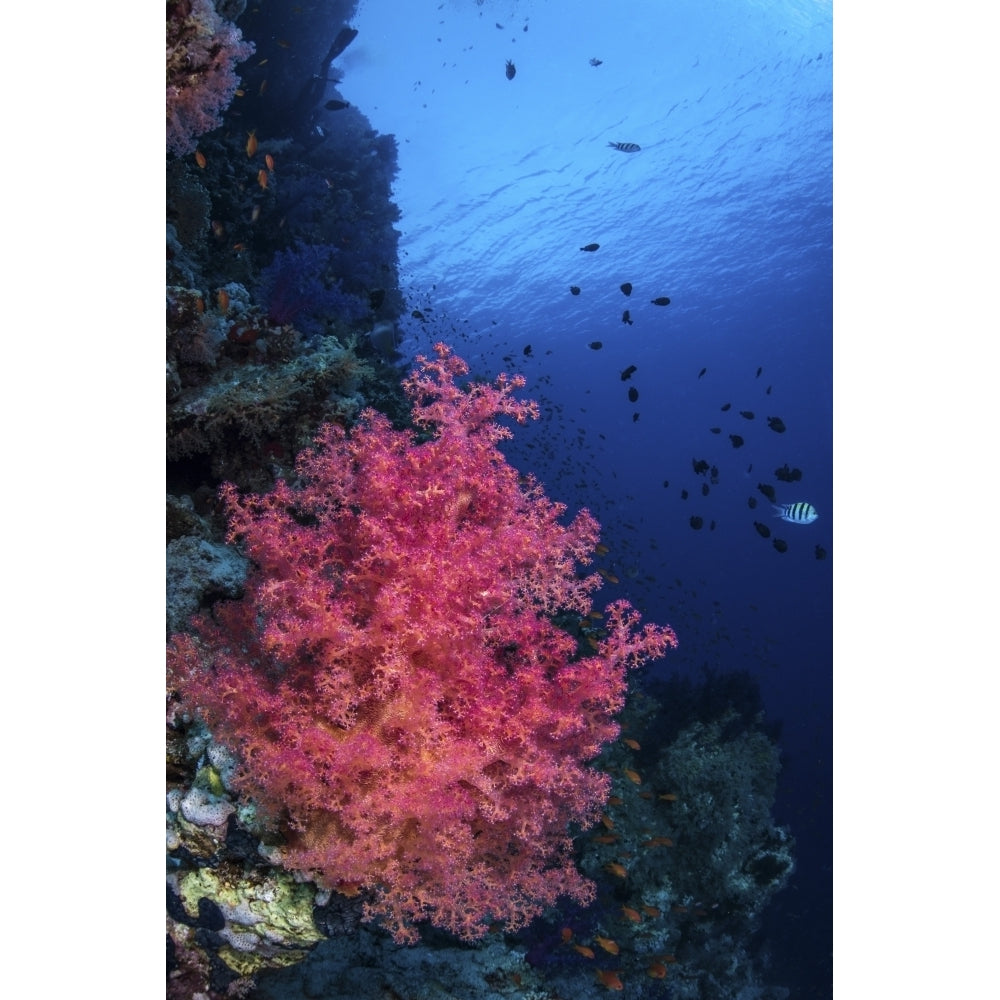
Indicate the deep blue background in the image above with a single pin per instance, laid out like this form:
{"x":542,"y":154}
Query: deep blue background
{"x":727,"y":209}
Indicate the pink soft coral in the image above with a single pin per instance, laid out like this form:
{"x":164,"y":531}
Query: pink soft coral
{"x":400,"y":698}
{"x":202,"y":51}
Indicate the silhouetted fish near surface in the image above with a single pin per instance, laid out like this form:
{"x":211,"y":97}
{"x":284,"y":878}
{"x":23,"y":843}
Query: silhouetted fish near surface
{"x":527,"y":351}
{"x":776,"y":424}
{"x":594,"y":61}
{"x":759,"y":370}
{"x":511,"y":70}
{"x":660,"y":300}
{"x":820,"y":552}
{"x":751,"y":502}
{"x":796,"y":513}
{"x":725,"y":406}
{"x":627,"y":373}
{"x":627,"y":317}
{"x":635,"y":417}
{"x":715,"y":430}
{"x":762,"y":529}
{"x":780,"y":544}
{"x":702,"y":372}
{"x":633,"y":395}
{"x":747,"y":414}
{"x":595,"y":345}
{"x":574,"y":289}
{"x":737,"y":440}
{"x":625,"y":147}
{"x":626,"y":288}
{"x":591,"y":247}
{"x":336,"y":105}
{"x":696,"y":522}
{"x":768,"y":490}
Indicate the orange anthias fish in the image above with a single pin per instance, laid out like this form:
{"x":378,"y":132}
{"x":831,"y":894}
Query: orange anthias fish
{"x":630,"y":743}
{"x":584,"y":950}
{"x":611,"y":947}
{"x":269,"y":160}
{"x":657,"y":842}
{"x":619,"y":871}
{"x":632,"y":776}
{"x":631,"y":914}
{"x":610,"y":979}
{"x":657,"y":970}
{"x":199,"y":158}
{"x":262,"y":178}
{"x":251,"y":144}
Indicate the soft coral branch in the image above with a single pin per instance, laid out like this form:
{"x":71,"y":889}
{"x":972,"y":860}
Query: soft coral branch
{"x":400,"y":697}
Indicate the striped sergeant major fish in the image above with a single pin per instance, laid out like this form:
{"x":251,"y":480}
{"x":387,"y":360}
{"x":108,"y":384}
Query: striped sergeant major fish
{"x":795,"y":513}
{"x":625,"y":147}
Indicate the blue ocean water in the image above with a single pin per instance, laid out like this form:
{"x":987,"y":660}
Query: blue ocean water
{"x":727,"y":210}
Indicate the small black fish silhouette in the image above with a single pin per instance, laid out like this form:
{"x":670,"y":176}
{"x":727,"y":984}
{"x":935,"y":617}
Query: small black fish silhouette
{"x":635,"y":417}
{"x":417,"y":314}
{"x":696,"y":522}
{"x":767,"y":391}
{"x":684,"y":494}
{"x":699,"y":465}
{"x":702,"y":372}
{"x":752,"y":502}
{"x":627,"y":317}
{"x":595,"y":345}
{"x":725,"y":406}
{"x":820,"y":552}
{"x":594,"y":61}
{"x":737,"y":440}
{"x":336,"y":105}
{"x":511,"y":70}
{"x":715,"y":430}
{"x":780,"y":545}
{"x":625,"y":147}
{"x":768,"y":490}
{"x":762,"y":529}
{"x":776,"y":424}
{"x":626,"y":288}
{"x":748,"y":414}
{"x":711,"y":527}
{"x":759,"y":370}
{"x":574,"y":289}
{"x":704,"y":489}
{"x":527,"y":351}
{"x":627,"y":373}
{"x":787,"y":475}
{"x":633,"y":395}
{"x":660,"y":300}
{"x":591,"y":247}
{"x":666,"y":483}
